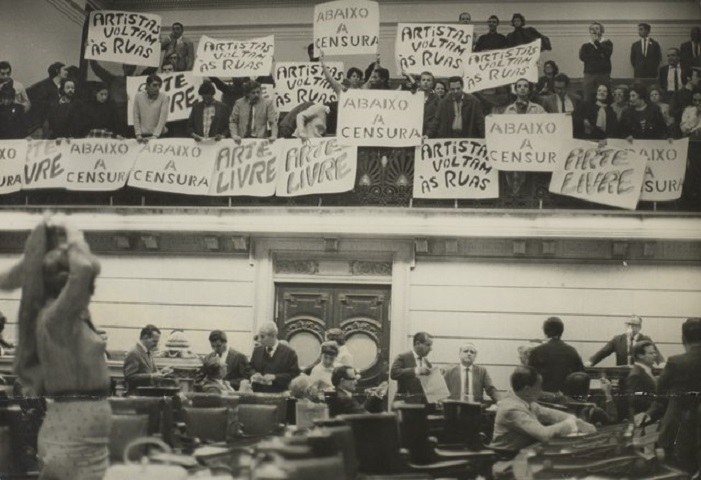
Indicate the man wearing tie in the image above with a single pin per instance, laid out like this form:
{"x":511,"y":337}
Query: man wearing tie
{"x":641,"y":384}
{"x":645,"y":54}
{"x":139,"y":366}
{"x":673,"y":76}
{"x":273,"y":364}
{"x":252,"y":115}
{"x":468,"y":381}
{"x":237,"y":367}
{"x":409,"y":366}
{"x":622,"y":345}
{"x":690,"y":52}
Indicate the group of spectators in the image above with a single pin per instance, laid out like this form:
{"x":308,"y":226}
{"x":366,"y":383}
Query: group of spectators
{"x":664,"y":101}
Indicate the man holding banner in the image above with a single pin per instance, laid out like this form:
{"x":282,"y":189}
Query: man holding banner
{"x":208,"y":118}
{"x":459,"y":115}
{"x":253,"y":116}
{"x":151,"y":110}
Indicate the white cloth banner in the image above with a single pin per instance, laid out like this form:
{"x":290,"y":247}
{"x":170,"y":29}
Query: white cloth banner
{"x":454,"y":169}
{"x":297,"y":82}
{"x":99,"y":164}
{"x":501,"y":67}
{"x":530,"y":142}
{"x":13,"y":155}
{"x":234,"y":58}
{"x":248,"y":168}
{"x":437,"y":48}
{"x":666,"y":166}
{"x":315,"y":167}
{"x":346,"y":27}
{"x":610,"y":176}
{"x":45,"y":164}
{"x":381,"y":118}
{"x":124,"y":37}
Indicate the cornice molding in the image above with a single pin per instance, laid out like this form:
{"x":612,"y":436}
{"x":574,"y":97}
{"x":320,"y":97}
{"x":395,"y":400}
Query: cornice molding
{"x":69,"y":9}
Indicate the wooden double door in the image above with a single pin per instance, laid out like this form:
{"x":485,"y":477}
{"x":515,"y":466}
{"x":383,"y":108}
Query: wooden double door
{"x":305,"y":311}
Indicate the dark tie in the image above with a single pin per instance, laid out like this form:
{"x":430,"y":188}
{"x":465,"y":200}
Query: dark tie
{"x":249,"y":124}
{"x":468,"y":382}
{"x":270,"y":351}
{"x":630,"y":350}
{"x":562,"y":100}
{"x":676,"y":80}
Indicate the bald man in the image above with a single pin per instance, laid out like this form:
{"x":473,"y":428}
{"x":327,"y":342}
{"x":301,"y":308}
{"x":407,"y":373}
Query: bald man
{"x":274,"y":364}
{"x":467,"y":381}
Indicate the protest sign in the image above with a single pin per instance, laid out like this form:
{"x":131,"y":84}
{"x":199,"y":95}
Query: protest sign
{"x":454,"y":169}
{"x":530,"y":142}
{"x":177,"y":165}
{"x":99,"y":164}
{"x":346,"y":27}
{"x":45,"y":164}
{"x":125,"y":37}
{"x":233,"y":58}
{"x":436,"y":48}
{"x":13,"y":155}
{"x":297,"y":83}
{"x":501,"y":67}
{"x":315,"y":167}
{"x":666,"y":166}
{"x":606,"y":175}
{"x":380,"y":118}
{"x":248,"y":168}
{"x":181,"y":88}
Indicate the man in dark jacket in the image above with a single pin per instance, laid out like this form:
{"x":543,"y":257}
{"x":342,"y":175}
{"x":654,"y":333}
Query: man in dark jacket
{"x":409,"y":366}
{"x":622,"y":345}
{"x":44,"y":93}
{"x":645,"y":54}
{"x":641,"y":383}
{"x":237,"y":367}
{"x":459,"y":114}
{"x":273,"y":364}
{"x":554,"y":359}
{"x":208,"y":118}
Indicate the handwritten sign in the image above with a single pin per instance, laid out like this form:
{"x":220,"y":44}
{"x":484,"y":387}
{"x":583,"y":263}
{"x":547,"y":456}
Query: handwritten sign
{"x":297,"y":83}
{"x":248,"y":168}
{"x":125,"y":37}
{"x":181,"y":88}
{"x":530,"y":142}
{"x":177,"y":165}
{"x":439,"y":49}
{"x":381,"y":118}
{"x":44,"y":167}
{"x":610,"y":176}
{"x":501,"y":67}
{"x":233,"y":58}
{"x":99,"y":164}
{"x":13,"y":154}
{"x":315,"y":167}
{"x":454,"y":169}
{"x":666,"y":166}
{"x":346,"y":27}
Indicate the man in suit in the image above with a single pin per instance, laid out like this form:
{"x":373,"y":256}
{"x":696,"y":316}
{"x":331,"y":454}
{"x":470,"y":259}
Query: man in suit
{"x":679,"y":385}
{"x":237,"y":367}
{"x":554,"y":359}
{"x":645,"y":54}
{"x":345,"y":380}
{"x":672,"y":76}
{"x":273,"y":364}
{"x":690,"y":52}
{"x":641,"y":383}
{"x":683,"y":98}
{"x":409,"y":366}
{"x":252,"y":115}
{"x":468,"y":381}
{"x":140,"y":368}
{"x":459,"y":114}
{"x":622,"y":345}
{"x":183,"y":47}
{"x":208,"y":118}
{"x":562,"y":101}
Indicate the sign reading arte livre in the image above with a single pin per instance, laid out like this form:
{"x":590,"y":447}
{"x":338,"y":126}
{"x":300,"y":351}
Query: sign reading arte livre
{"x":13,"y":154}
{"x":248,"y":168}
{"x":125,"y":37}
{"x":436,"y":48}
{"x":346,"y":27}
{"x":233,"y":58}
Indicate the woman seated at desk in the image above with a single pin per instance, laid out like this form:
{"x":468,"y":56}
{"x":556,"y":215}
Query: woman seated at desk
{"x":214,"y":372}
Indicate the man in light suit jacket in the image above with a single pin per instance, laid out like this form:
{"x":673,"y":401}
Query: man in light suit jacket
{"x":252,"y":115}
{"x":645,"y":54}
{"x":139,"y":366}
{"x":273,"y":364}
{"x":670,"y":71}
{"x":641,"y":383}
{"x":409,"y":366}
{"x":479,"y":380}
{"x":217,"y":118}
{"x":237,"y":367}
{"x":622,"y":345}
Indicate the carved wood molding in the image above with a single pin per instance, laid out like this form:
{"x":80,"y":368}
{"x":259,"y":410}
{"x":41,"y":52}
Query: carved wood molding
{"x":297,"y":267}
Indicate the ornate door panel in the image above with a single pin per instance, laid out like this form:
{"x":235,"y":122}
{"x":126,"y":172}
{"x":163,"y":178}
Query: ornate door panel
{"x":304,"y":312}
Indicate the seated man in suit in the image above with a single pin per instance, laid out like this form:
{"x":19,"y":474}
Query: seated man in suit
{"x":468,"y":381}
{"x":344,"y":380}
{"x":521,"y":422}
{"x":622,"y":345}
{"x":139,"y":366}
{"x":409,"y":366}
{"x":641,"y":383}
{"x":237,"y":367}
{"x":562,"y":101}
{"x":273,"y":364}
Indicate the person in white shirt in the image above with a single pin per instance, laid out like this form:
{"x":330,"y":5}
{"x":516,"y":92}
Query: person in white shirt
{"x":467,"y":381}
{"x":320,"y":376}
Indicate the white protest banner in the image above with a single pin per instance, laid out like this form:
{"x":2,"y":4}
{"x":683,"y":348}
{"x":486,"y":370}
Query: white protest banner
{"x":346,"y":27}
{"x":315,"y":167}
{"x":248,"y":168}
{"x":454,"y":169}
{"x":99,"y":164}
{"x":181,"y":88}
{"x":436,"y":48}
{"x":610,"y":176}
{"x":297,"y":83}
{"x":380,"y":118}
{"x":13,"y":155}
{"x":45,"y":164}
{"x":125,"y":37}
{"x":233,"y":58}
{"x":501,"y":67}
{"x":176,"y":165}
{"x":666,"y":166}
{"x":531,"y":142}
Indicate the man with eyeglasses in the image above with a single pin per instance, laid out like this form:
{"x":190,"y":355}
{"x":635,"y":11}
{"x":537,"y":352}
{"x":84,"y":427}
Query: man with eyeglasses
{"x":345,"y":380}
{"x":467,"y":381}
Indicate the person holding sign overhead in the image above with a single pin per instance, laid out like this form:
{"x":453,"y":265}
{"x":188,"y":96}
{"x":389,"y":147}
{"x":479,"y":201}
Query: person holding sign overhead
{"x":252,"y":115}
{"x":522,"y":35}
